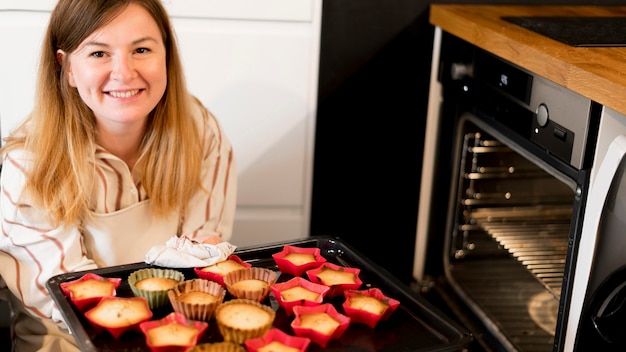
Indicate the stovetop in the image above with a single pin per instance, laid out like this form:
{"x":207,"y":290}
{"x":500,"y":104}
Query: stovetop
{"x":577,"y":31}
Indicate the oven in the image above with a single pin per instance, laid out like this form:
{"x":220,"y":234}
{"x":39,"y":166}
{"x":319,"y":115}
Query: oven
{"x":520,"y":219}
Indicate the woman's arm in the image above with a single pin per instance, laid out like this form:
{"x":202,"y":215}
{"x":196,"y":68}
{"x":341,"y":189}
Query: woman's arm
{"x":210,"y":215}
{"x":31,"y":250}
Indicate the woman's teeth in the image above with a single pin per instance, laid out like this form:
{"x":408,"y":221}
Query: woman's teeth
{"x":126,"y":94}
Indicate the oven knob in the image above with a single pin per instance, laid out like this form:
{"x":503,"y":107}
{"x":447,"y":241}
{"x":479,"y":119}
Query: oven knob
{"x":542,"y":115}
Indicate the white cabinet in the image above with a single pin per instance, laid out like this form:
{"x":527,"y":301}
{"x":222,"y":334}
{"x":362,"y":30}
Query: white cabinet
{"x":254,"y":63}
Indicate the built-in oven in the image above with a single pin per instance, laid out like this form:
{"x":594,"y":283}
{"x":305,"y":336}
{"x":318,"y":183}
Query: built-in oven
{"x":504,"y":242}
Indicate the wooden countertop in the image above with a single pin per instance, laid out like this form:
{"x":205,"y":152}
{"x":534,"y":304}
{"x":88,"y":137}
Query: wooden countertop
{"x":598,"y":73}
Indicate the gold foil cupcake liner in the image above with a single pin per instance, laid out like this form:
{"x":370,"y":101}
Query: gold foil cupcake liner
{"x":217,"y":347}
{"x":196,"y":311}
{"x":266,"y":275}
{"x":238,"y":334}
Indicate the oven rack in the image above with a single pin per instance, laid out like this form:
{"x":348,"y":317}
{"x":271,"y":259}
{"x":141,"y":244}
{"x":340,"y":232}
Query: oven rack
{"x":537,"y":237}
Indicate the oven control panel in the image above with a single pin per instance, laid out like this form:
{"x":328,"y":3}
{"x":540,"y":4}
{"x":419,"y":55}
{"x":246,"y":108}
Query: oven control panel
{"x":556,"y":119}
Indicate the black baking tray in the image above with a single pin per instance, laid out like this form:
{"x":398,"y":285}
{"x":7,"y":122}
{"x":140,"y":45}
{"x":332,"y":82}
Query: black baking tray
{"x":415,"y":326}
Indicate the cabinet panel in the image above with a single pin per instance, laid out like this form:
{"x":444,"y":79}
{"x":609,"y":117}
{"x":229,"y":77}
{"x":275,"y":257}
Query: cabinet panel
{"x":254,"y":77}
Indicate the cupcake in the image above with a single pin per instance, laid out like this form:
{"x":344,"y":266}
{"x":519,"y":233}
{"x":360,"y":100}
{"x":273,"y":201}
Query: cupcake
{"x":339,"y":278}
{"x":297,"y":260}
{"x":319,"y":323}
{"x":276,"y":340}
{"x":196,"y":299}
{"x":89,"y":289}
{"x":172,"y":333}
{"x":298,"y":292}
{"x":153,"y":284}
{"x":217,"y":271}
{"x":118,"y":315}
{"x":217,"y":347}
{"x":368,"y":306}
{"x":251,"y":283}
{"x":241,"y":319}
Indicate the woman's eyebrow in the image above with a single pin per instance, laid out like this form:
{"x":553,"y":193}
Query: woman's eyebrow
{"x":134,"y":42}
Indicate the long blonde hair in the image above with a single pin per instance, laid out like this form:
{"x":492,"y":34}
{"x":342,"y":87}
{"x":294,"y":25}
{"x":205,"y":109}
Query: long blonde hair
{"x":60,"y":133}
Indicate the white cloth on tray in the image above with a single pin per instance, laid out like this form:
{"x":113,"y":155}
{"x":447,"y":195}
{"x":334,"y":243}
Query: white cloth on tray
{"x":182,"y":252}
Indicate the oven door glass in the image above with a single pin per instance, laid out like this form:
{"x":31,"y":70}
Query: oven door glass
{"x":509,"y":228}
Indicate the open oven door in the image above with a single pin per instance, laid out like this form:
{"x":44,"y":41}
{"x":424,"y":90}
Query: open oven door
{"x":599,"y":296}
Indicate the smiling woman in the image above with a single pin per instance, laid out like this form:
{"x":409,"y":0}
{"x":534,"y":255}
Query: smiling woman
{"x":115,"y":148}
{"x":120,"y":73}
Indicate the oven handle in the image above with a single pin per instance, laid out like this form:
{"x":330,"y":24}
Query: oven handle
{"x":596,"y":201}
{"x":608,"y":319}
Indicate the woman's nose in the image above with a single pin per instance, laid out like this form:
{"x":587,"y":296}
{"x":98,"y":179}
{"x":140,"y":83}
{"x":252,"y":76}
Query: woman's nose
{"x":123,"y":69}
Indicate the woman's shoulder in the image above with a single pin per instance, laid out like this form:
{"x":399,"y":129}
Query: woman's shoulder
{"x":204,"y":118}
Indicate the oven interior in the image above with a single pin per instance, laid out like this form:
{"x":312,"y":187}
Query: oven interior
{"x":509,"y":240}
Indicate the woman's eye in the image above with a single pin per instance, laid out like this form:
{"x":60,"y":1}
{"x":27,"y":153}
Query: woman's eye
{"x":142,"y":50}
{"x":98,"y":54}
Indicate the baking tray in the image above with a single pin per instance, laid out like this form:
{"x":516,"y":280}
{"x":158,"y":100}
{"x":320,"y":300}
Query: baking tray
{"x":415,"y":326}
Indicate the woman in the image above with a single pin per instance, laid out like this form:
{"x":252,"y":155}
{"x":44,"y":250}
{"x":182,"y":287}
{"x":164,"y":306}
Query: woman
{"x":115,"y":158}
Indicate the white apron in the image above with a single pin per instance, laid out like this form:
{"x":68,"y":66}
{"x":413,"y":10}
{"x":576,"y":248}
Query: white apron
{"x":125,"y":236}
{"x":118,"y":238}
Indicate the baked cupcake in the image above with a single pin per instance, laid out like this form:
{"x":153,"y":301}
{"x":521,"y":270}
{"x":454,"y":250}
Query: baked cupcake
{"x":172,"y":333}
{"x":319,"y":323}
{"x":89,"y":289}
{"x":196,"y":299}
{"x":217,"y":271}
{"x":118,"y":315}
{"x":241,"y":319}
{"x":298,"y":292}
{"x":250,"y":283}
{"x":368,"y":306}
{"x":153,"y":284}
{"x":339,"y":278}
{"x":297,"y":260}
{"x":276,"y":340}
{"x":217,"y":347}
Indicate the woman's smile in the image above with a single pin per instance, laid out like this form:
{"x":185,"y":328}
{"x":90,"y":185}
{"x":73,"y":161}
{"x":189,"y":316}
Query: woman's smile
{"x":124,"y":94}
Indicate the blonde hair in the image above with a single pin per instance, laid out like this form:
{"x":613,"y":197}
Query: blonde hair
{"x":60,"y":133}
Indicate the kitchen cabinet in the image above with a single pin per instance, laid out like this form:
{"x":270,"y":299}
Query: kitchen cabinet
{"x":253,"y":63}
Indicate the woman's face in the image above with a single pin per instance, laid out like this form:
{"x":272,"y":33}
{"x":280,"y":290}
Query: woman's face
{"x":120,"y":69}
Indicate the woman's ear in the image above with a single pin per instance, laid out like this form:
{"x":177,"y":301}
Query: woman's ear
{"x":61,"y":55}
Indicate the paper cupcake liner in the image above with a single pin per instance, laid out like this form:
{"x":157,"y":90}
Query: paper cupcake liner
{"x":263,"y":274}
{"x":217,"y":347}
{"x":156,"y":299}
{"x":238,"y":334}
{"x":196,"y":311}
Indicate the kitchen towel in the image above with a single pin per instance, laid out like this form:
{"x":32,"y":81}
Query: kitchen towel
{"x":182,"y":252}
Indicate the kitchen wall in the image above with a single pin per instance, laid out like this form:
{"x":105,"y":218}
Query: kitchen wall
{"x":373,"y":87}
